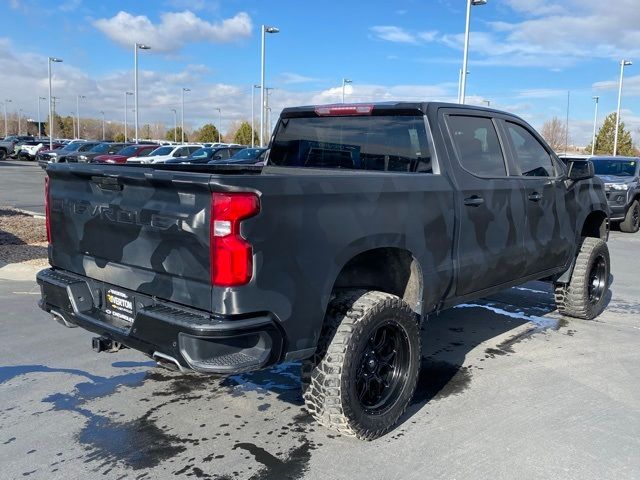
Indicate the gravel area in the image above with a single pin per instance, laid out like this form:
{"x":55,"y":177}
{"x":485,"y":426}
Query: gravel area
{"x":23,"y":238}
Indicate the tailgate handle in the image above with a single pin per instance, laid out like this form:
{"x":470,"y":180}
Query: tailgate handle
{"x":474,"y":201}
{"x":107,"y":183}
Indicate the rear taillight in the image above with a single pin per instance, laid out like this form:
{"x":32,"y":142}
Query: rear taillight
{"x":47,"y":209}
{"x":342,"y":110}
{"x":231,"y":254}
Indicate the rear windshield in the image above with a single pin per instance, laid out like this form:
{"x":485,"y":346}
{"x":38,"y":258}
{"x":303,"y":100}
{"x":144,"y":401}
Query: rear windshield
{"x":163,"y":151}
{"x":619,"y":168}
{"x":387,"y":143}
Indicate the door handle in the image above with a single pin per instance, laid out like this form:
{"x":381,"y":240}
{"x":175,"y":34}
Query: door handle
{"x":474,"y":201}
{"x":535,"y":197}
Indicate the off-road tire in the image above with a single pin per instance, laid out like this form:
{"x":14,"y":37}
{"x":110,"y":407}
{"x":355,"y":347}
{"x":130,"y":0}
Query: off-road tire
{"x":574,"y":298}
{"x":631,"y":222}
{"x":3,"y":154}
{"x":329,"y":377}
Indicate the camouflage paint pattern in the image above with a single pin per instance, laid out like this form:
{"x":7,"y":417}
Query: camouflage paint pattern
{"x":148,"y":230}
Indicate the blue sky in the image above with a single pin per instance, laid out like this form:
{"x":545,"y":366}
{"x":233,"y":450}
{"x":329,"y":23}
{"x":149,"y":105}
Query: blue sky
{"x":525,"y":55}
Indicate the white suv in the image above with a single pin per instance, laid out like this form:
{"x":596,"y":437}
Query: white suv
{"x":166,"y":152}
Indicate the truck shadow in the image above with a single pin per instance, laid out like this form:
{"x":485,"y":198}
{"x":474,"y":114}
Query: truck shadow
{"x":447,"y":339}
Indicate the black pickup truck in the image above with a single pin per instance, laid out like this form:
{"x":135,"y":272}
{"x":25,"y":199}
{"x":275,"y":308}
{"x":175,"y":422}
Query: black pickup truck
{"x":366,"y":219}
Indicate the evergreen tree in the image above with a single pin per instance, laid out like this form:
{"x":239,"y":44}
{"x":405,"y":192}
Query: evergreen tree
{"x":118,"y":137}
{"x":605,"y":138}
{"x":208,"y":133}
{"x":178,"y":135}
{"x":243,"y":135}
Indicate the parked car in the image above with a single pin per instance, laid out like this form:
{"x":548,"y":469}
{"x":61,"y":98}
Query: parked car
{"x":45,"y":157}
{"x":206,"y":155}
{"x":104,"y":148}
{"x":130,"y":151}
{"x":249,"y":156}
{"x":8,"y":144}
{"x":366,"y":219}
{"x":29,"y":150}
{"x":74,"y":156}
{"x":621,"y":177}
{"x":167,"y":152}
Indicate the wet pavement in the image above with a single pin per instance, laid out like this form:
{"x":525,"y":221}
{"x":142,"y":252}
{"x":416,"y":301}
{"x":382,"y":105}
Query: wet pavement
{"x":508,"y":389}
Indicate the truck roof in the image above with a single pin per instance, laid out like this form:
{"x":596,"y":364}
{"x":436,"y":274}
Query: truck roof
{"x":379,"y":107}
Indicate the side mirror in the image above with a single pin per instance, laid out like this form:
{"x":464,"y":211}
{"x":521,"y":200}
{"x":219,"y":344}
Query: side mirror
{"x":580,"y":170}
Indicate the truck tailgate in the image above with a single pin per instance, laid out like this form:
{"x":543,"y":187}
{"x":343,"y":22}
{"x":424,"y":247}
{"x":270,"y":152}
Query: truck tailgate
{"x":136,"y":228}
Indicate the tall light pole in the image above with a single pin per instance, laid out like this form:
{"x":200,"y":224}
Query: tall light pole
{"x":267,"y":92}
{"x":39,"y":124}
{"x":175,"y":125}
{"x":595,"y":121}
{"x":623,"y":63}
{"x":345,"y":81}
{"x":6,"y":128}
{"x":219,"y":124}
{"x":126,"y":108}
{"x":182,"y":112}
{"x":51,"y":120}
{"x":253,"y":102}
{"x":465,"y":55}
{"x":135,"y":80}
{"x":488,"y":102}
{"x":78,"y":97}
{"x":265,"y":29}
{"x":103,"y":135}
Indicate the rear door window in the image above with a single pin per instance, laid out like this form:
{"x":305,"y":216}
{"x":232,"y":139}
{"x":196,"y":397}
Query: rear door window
{"x":397,"y":143}
{"x":476,"y":140}
{"x":531,"y":157}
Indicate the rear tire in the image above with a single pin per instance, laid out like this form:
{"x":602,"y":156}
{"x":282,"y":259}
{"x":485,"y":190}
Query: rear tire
{"x":631,"y":222}
{"x":365,"y":370}
{"x":585,"y":294}
{"x":3,"y":155}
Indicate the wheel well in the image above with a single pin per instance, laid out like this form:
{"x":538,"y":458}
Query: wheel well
{"x":595,"y":225}
{"x":390,"y":270}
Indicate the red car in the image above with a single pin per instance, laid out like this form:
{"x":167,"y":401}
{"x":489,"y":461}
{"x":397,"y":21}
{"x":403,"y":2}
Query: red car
{"x":141,"y":150}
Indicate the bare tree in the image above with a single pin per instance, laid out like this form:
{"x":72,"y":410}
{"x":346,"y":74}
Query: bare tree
{"x":554,"y":131}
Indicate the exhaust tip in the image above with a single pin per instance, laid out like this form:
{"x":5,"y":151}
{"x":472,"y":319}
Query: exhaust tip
{"x":58,"y":317}
{"x":167,"y":361}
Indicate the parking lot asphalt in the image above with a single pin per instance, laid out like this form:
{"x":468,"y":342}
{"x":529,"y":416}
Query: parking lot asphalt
{"x":509,"y":389}
{"x":22,"y":185}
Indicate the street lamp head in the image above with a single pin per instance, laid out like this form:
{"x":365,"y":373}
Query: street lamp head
{"x":42,"y":98}
{"x":477,"y":3}
{"x":186,"y":89}
{"x":142,"y":46}
{"x":347,"y":80}
{"x":257,"y":86}
{"x":626,"y":63}
{"x":54,"y":59}
{"x":596,"y":98}
{"x":6,"y":100}
{"x":268,"y":29}
{"x":128,"y":93}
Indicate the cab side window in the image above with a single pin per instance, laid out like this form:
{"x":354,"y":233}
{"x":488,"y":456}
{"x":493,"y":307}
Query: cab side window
{"x":478,"y":147}
{"x":530,"y":156}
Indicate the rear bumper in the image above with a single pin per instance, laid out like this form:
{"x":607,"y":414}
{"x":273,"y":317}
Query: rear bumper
{"x":194,"y":339}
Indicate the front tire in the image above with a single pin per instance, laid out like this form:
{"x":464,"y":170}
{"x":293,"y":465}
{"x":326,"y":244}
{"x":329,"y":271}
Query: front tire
{"x":365,"y":370}
{"x":3,"y":154}
{"x":585,"y":294}
{"x":631,"y":222}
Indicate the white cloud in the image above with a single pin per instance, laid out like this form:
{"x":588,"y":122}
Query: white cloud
{"x":395,"y":34}
{"x":70,"y":5}
{"x":289,"y":78}
{"x":631,"y":84}
{"x":174,"y":29}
